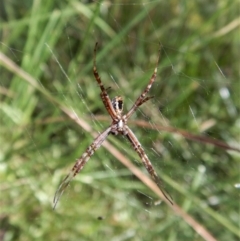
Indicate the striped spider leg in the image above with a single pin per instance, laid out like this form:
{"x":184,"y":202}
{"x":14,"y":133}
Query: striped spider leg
{"x":118,"y":126}
{"x":80,"y":164}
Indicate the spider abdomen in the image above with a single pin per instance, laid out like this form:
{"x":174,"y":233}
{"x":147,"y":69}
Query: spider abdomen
{"x":117,"y":103}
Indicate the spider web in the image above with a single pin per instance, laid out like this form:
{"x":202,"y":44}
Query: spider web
{"x":185,"y":130}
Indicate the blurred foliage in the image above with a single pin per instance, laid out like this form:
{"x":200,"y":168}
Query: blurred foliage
{"x":197,"y":89}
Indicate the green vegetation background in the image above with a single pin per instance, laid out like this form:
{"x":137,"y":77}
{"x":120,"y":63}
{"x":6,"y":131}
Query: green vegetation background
{"x":197,"y":90}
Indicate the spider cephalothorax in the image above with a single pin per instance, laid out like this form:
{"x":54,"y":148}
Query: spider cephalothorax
{"x":118,"y":126}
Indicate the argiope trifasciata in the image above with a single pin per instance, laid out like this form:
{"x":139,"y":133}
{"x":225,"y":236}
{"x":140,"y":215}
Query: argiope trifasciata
{"x":118,"y":126}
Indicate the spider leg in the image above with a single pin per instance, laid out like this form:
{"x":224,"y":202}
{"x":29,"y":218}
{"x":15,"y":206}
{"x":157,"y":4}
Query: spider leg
{"x":142,"y":98}
{"x":146,"y":162}
{"x":80,"y":164}
{"x":104,"y":95}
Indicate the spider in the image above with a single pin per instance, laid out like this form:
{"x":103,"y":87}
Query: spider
{"x":118,"y":126}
